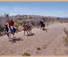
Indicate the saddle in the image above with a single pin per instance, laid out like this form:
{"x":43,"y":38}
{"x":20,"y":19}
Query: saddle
{"x":13,"y":29}
{"x":28,"y":26}
{"x":7,"y":29}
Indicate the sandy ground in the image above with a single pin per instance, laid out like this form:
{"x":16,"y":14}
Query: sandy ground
{"x":50,"y":42}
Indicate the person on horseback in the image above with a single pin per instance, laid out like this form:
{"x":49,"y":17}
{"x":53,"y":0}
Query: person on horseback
{"x":27,"y":27}
{"x":27,"y":24}
{"x":11,"y":24}
{"x":42,"y":24}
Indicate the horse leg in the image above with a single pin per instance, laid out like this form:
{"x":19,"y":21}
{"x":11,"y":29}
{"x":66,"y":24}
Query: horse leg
{"x":9,"y":35}
{"x":13,"y":36}
{"x":43,"y":28}
{"x":30,"y":31}
{"x":24,"y":32}
{"x":40,"y":28}
{"x":27,"y":32}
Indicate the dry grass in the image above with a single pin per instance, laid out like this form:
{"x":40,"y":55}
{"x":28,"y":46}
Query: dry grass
{"x":54,"y":21}
{"x":66,"y":31}
{"x":46,"y":23}
{"x":66,"y":38}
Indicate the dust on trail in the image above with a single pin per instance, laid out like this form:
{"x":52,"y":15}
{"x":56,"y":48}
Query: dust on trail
{"x":50,"y":42}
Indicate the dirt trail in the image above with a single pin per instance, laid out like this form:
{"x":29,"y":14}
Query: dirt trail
{"x":50,"y":42}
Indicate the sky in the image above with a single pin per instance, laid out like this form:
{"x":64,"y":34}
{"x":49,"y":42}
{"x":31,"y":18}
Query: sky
{"x":42,"y":8}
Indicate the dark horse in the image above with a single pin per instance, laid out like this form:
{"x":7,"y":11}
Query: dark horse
{"x":9,"y":31}
{"x":42,"y":25}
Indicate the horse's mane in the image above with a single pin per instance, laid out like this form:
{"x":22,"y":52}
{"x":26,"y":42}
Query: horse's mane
{"x":6,"y":28}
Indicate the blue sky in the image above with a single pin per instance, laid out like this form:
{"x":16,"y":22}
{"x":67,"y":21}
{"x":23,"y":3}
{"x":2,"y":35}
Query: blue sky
{"x":58,"y":9}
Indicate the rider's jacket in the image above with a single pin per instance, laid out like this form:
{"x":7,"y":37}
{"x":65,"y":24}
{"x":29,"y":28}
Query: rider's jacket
{"x":11,"y":23}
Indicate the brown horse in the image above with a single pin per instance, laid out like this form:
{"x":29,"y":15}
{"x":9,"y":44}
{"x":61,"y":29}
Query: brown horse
{"x":26,"y":29}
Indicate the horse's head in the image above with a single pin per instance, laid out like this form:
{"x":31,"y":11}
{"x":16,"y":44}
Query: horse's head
{"x":6,"y":26}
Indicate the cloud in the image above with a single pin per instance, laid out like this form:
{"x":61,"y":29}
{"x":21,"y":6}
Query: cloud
{"x":10,"y":14}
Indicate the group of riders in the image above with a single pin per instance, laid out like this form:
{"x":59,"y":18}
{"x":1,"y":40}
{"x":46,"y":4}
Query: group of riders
{"x":11,"y":26}
{"x":26,"y":27}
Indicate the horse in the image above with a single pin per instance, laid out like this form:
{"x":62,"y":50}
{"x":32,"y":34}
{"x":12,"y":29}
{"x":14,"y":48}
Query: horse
{"x":42,"y":25}
{"x":8,"y":31}
{"x":26,"y":29}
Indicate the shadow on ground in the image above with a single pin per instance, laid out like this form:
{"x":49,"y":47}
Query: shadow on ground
{"x":17,"y":39}
{"x":45,"y":29}
{"x":31,"y":34}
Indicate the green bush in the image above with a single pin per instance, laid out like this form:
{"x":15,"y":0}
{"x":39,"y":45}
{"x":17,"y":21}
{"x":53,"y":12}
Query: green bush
{"x":26,"y":54}
{"x":19,"y":18}
{"x":38,"y":48}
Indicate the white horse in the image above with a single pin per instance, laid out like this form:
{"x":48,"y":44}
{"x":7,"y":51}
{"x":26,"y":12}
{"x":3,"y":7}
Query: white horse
{"x":9,"y":32}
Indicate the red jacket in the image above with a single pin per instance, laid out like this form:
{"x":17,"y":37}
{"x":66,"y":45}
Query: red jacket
{"x":11,"y":23}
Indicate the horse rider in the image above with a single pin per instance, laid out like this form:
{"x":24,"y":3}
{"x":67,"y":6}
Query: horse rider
{"x":27,"y":24}
{"x":42,"y":24}
{"x":11,"y":24}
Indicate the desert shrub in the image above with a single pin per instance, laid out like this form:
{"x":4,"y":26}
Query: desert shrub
{"x":26,"y":54}
{"x":1,"y":28}
{"x":19,"y":18}
{"x":0,"y":20}
{"x":46,"y":23}
{"x":38,"y":48}
{"x":66,"y":19}
{"x":66,"y":31}
{"x":30,"y":17}
{"x":56,"y":21}
{"x":45,"y":19}
{"x":66,"y":39}
{"x":52,"y":21}
{"x":24,"y":21}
